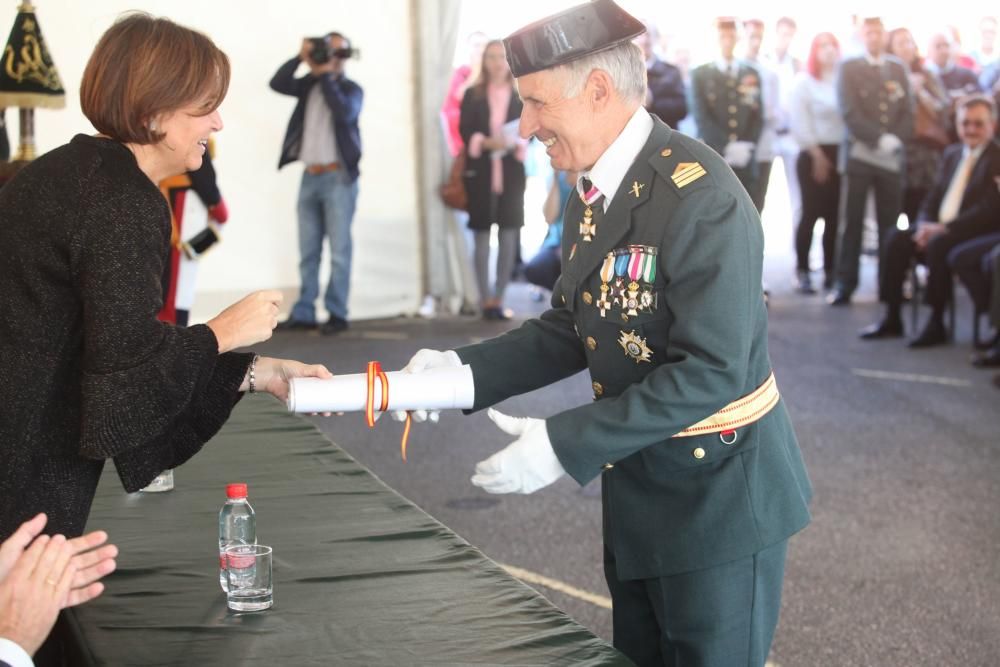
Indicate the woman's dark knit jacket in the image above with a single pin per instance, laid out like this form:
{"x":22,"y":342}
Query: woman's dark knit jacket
{"x":87,"y":372}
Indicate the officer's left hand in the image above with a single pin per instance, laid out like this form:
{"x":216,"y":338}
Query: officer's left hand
{"x":525,"y":465}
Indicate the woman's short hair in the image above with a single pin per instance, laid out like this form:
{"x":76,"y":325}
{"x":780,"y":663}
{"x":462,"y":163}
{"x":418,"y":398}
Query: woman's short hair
{"x":144,"y":66}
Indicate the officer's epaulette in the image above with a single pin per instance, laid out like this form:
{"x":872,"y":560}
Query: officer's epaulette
{"x":678,"y":166}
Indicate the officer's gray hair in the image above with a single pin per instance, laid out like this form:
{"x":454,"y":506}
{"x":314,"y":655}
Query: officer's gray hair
{"x":624,"y":64}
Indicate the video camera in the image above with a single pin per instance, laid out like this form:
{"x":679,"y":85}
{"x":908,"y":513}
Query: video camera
{"x":321,"y":52}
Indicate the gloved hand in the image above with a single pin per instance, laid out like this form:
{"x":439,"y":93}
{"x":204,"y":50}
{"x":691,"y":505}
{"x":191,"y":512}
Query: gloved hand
{"x":738,"y":153}
{"x":889,"y":143}
{"x":421,"y":361}
{"x":524,"y":466}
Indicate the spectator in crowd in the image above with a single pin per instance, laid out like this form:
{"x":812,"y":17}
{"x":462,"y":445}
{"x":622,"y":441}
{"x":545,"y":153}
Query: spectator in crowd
{"x":545,"y":267}
{"x":930,"y":130}
{"x":873,"y":92}
{"x":727,"y":106}
{"x":39,"y":575}
{"x":955,"y":80}
{"x":973,"y":263}
{"x":818,"y":128}
{"x":461,"y":78}
{"x":753,"y":30}
{"x":323,"y":133}
{"x":494,"y":174}
{"x":986,"y":53}
{"x":666,"y":96}
{"x":962,"y":205}
{"x":196,"y":211}
{"x":787,"y":67}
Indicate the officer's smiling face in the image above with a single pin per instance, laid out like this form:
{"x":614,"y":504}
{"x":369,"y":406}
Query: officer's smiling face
{"x":563,"y":124}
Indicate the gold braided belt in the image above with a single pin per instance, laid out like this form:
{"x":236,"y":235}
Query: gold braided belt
{"x":739,"y":413}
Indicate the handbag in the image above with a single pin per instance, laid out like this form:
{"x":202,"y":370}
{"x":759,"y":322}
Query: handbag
{"x":453,"y":192}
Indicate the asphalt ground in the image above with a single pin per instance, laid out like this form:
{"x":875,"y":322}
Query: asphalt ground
{"x":900,"y":564}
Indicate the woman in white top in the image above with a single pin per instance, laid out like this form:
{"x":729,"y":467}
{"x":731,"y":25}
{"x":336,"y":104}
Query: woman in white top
{"x":818,"y":128}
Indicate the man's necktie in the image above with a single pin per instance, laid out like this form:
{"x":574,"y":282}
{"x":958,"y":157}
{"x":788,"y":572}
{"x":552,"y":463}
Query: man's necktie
{"x":594,"y":208}
{"x":951,"y":203}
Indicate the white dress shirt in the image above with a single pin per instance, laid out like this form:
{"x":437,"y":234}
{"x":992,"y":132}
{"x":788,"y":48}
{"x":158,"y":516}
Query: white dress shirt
{"x":815,"y":116}
{"x":610,"y":169}
{"x":14,"y":655}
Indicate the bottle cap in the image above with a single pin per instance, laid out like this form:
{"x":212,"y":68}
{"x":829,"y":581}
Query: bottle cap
{"x":236,"y":490}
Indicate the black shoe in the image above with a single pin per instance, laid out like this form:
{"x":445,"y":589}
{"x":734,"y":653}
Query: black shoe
{"x":885,"y":329}
{"x":333,"y":326}
{"x":933,"y":334}
{"x":989,"y":359}
{"x":295,"y":325}
{"x":839,"y":297}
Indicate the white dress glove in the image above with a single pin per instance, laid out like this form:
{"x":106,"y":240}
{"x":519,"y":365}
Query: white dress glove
{"x":889,"y":143}
{"x":738,"y":153}
{"x":421,"y":361}
{"x":524,"y":466}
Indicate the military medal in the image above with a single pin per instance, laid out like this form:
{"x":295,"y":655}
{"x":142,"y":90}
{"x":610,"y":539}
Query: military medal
{"x":635,"y":347}
{"x":607,"y":273}
{"x":588,"y":228}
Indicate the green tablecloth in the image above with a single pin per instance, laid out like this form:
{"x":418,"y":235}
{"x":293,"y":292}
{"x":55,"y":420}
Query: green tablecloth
{"x":361,"y":575}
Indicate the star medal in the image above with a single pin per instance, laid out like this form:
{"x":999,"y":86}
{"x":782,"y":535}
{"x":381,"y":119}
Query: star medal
{"x":607,"y":273}
{"x":588,"y":228}
{"x":635,"y":347}
{"x":647,"y":301}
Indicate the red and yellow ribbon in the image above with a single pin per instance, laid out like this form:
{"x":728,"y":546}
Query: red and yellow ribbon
{"x":375,"y":372}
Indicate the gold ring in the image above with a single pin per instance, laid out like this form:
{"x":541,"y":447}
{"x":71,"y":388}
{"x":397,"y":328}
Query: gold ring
{"x":52,"y":583}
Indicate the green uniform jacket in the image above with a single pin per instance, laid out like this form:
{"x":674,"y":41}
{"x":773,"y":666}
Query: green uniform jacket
{"x":666,"y":511}
{"x":874,"y":100}
{"x":728,"y":109}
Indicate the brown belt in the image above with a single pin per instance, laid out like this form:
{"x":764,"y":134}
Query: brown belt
{"x":315,"y":169}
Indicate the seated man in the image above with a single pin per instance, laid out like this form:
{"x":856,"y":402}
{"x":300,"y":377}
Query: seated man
{"x":972,"y":265}
{"x":964,"y":203}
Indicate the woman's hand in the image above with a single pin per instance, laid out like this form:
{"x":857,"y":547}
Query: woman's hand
{"x":821,"y":165}
{"x":248,"y":321}
{"x":272,"y":375}
{"x":495,"y":144}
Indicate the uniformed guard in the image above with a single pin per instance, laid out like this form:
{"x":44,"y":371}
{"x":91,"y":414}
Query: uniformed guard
{"x":873,"y":91}
{"x":660,"y":299}
{"x":727,"y":105}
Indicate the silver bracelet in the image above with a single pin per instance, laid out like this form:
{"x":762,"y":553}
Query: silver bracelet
{"x":252,"y":378}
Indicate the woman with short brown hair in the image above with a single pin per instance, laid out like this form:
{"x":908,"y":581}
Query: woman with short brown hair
{"x":88,"y":372}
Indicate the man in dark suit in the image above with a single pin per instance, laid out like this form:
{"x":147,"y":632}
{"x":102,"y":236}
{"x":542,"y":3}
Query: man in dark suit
{"x":873,"y":92}
{"x":666,"y":96}
{"x":727,"y":106}
{"x":964,"y":203}
{"x":957,"y":81}
{"x":660,"y":300}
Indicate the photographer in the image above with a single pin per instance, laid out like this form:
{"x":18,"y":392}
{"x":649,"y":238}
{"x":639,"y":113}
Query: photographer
{"x":323,"y":133}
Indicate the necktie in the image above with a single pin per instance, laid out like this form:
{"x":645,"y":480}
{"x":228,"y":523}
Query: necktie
{"x":592,"y":199}
{"x":952,"y":200}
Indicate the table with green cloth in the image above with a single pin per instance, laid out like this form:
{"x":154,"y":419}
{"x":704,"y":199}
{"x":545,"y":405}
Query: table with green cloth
{"x":361,"y":575}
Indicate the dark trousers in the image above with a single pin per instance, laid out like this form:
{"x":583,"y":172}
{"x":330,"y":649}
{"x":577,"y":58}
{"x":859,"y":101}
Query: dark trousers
{"x":759,"y":193}
{"x":721,"y":616}
{"x":888,"y":187}
{"x":994,"y":260}
{"x":970,"y":262}
{"x":899,"y":252}
{"x":544,"y":268}
{"x":819,"y":200}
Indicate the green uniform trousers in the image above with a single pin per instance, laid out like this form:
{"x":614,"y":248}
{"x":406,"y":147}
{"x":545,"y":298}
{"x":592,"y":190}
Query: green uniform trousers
{"x":722,"y":616}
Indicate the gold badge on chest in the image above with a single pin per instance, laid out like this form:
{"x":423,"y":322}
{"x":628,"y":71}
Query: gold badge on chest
{"x":635,"y":347}
{"x":588,"y":228}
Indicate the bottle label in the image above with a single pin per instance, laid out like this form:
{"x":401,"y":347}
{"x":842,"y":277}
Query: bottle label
{"x":239,"y":561}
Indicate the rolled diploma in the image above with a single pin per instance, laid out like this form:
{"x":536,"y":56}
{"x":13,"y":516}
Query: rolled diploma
{"x":432,"y":389}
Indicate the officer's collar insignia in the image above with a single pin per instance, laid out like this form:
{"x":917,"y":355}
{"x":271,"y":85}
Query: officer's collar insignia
{"x":635,"y":347}
{"x":687,"y":173}
{"x":637,"y":187}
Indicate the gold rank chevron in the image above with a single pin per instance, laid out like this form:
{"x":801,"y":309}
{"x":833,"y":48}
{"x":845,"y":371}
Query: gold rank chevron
{"x":687,"y":173}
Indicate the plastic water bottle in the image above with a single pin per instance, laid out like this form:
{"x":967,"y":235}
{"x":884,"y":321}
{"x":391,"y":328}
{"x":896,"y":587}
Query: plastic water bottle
{"x":237,"y":525}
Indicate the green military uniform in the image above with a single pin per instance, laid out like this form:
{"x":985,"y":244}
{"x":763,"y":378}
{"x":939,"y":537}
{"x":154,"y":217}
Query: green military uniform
{"x":726,"y":108}
{"x":678,"y":332}
{"x":874,"y":100}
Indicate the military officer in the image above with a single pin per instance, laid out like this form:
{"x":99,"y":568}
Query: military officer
{"x":660,"y":299}
{"x":873,"y":92}
{"x":728,"y":108}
